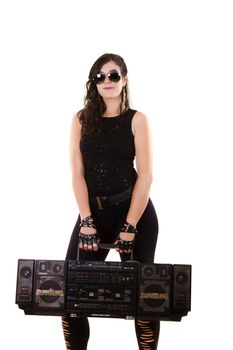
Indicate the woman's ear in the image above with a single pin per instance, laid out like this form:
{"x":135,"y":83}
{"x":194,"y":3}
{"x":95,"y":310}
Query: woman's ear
{"x":125,"y":80}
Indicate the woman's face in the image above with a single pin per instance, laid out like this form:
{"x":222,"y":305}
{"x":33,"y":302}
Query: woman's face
{"x":109,"y":89}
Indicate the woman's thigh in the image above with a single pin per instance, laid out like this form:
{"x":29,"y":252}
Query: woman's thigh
{"x":146,"y":237}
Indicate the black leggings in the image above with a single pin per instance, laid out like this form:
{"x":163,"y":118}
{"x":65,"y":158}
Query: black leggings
{"x":109,"y":222}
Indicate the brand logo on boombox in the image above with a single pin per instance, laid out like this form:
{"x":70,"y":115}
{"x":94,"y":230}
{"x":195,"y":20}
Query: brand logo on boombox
{"x":157,"y":296}
{"x":49,"y":292}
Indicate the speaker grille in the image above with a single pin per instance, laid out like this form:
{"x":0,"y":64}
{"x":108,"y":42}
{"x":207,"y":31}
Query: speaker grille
{"x":50,"y":285}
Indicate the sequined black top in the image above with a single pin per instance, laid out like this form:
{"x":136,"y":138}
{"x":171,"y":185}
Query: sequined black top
{"x":109,"y":156}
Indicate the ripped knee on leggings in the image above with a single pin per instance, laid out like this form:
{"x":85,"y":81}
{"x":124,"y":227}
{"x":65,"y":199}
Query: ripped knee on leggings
{"x":146,"y":334}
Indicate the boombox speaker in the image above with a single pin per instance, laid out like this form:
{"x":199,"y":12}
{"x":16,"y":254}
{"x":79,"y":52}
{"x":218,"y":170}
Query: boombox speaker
{"x":164,"y":291}
{"x":104,"y":289}
{"x":25,"y":278}
{"x":41,"y":286}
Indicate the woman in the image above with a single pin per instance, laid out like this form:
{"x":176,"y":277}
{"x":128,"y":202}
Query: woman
{"x":112,"y":197}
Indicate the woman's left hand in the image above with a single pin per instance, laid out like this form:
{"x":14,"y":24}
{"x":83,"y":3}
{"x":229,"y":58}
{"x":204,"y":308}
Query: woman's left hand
{"x":125,"y":242}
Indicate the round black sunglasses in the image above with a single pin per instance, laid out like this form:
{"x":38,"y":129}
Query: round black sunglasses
{"x":114,"y":76}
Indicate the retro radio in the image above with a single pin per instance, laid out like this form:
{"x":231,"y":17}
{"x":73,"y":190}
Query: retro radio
{"x":104,"y":289}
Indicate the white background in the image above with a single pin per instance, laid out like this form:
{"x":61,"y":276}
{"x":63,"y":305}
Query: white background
{"x":179,"y":55}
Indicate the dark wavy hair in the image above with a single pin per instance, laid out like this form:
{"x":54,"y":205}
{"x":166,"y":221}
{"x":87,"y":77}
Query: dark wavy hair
{"x":94,"y":107}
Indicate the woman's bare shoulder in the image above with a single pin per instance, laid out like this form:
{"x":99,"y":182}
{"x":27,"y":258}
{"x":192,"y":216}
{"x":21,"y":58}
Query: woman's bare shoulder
{"x":76,"y":123}
{"x":140,"y":120}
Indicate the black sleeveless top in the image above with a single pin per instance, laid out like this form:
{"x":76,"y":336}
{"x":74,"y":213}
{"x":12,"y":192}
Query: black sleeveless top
{"x":109,"y":156}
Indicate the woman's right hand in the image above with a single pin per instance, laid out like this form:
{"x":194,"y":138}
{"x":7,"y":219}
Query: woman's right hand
{"x":88,"y":236}
{"x":88,"y":239}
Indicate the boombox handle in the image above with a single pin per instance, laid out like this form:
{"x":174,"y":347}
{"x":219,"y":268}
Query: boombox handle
{"x":106,"y":246}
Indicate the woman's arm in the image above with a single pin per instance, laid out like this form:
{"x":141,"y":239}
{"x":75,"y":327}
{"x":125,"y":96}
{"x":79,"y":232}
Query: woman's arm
{"x":143,"y":152}
{"x":77,"y":169}
{"x":79,"y":182}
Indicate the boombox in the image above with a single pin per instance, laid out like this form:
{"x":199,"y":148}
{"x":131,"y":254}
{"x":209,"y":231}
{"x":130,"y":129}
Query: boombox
{"x":104,"y":289}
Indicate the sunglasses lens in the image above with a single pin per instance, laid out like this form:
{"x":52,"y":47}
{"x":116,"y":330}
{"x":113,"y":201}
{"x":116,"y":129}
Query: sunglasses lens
{"x":114,"y":77}
{"x":99,"y":78}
